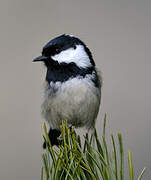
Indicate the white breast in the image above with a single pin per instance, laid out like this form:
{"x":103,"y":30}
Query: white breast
{"x":76,"y":100}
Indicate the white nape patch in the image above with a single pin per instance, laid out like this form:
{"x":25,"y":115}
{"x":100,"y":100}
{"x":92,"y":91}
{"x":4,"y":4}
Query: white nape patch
{"x":69,"y":35}
{"x":78,"y":56}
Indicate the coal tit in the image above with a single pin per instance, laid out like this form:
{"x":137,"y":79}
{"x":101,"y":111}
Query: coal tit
{"x":73,"y":85}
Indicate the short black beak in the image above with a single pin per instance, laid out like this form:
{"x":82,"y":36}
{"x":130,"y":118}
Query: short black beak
{"x":40,"y":58}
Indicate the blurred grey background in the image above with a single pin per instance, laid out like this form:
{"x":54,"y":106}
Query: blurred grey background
{"x":119,"y":36}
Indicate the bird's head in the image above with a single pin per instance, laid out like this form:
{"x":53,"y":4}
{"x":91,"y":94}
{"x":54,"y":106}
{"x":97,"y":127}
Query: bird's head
{"x":66,"y":49}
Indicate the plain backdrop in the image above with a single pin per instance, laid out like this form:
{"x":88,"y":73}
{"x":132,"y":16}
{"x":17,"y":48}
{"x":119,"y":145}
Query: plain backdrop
{"x":118,"y":33}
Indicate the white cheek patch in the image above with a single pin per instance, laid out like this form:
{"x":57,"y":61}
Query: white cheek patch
{"x":78,"y":56}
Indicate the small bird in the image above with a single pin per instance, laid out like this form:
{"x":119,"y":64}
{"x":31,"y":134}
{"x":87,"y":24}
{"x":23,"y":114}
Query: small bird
{"x":73,"y":85}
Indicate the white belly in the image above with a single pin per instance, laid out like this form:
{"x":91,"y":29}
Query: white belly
{"x":76,"y":100}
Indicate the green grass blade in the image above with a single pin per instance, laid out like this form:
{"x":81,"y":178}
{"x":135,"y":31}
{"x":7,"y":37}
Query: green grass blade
{"x":97,"y":164}
{"x":130,"y":165}
{"x":76,"y":168}
{"x":85,"y":144}
{"x":104,"y":126}
{"x":50,"y":146}
{"x":82,"y":175}
{"x":91,"y":151}
{"x":44,"y":159}
{"x":79,"y":141}
{"x":57,"y":166}
{"x":141,"y":175}
{"x":69,"y":169}
{"x":64,"y":135}
{"x":115,"y":158}
{"x":70,"y":161}
{"x":121,"y":156}
{"x":99,"y":146}
{"x":106,"y":150}
{"x":86,"y":168}
{"x":71,"y":178}
{"x":42,"y":173}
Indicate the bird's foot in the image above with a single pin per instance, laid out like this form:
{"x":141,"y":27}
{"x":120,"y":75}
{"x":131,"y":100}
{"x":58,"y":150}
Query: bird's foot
{"x":54,"y":137}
